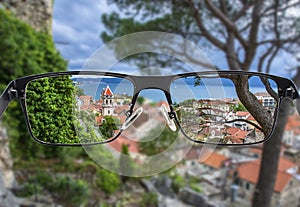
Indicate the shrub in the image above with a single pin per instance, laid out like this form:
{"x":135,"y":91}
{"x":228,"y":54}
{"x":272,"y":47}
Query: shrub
{"x":107,"y":181}
{"x":24,"y":52}
{"x":149,"y":200}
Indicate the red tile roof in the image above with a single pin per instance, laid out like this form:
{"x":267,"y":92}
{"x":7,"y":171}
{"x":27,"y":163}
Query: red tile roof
{"x":250,"y":172}
{"x":107,"y":91}
{"x":285,"y":164}
{"x":237,"y":133}
{"x":251,"y":118}
{"x":215,"y":160}
{"x":117,"y":144}
{"x":243,"y":113}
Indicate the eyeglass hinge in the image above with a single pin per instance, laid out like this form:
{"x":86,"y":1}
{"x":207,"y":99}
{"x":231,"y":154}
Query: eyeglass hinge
{"x":289,"y":92}
{"x":13,"y":94}
{"x":171,"y":115}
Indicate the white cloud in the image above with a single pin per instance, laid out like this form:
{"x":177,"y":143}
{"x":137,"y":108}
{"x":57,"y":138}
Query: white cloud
{"x":78,"y":23}
{"x":64,"y":30}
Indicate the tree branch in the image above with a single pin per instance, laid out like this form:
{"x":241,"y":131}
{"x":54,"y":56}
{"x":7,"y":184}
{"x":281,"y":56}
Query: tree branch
{"x":263,"y":58}
{"x":227,"y":22}
{"x":232,"y":58}
{"x":242,"y":11}
{"x":249,"y":100}
{"x":251,"y":49}
{"x":203,"y":29}
{"x":271,"y":59}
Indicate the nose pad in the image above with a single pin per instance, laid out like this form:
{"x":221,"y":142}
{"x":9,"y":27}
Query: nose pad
{"x":169,"y":121}
{"x":132,"y":118}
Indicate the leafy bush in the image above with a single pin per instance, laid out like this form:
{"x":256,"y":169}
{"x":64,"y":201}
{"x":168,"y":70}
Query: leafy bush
{"x":29,"y":189}
{"x":196,"y":187}
{"x":149,"y":200}
{"x":178,"y":183}
{"x":69,"y":191}
{"x":24,"y":52}
{"x":107,"y":181}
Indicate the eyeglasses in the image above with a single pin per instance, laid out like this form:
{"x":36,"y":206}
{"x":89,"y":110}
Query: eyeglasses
{"x":88,"y":107}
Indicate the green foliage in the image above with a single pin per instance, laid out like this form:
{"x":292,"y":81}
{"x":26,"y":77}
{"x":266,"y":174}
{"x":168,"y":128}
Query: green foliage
{"x":63,"y":189}
{"x":240,"y":107}
{"x":108,"y":182}
{"x":24,"y":52}
{"x":86,"y":130}
{"x":140,"y":100}
{"x":158,"y":145}
{"x":149,"y":200}
{"x":126,"y":164}
{"x":69,"y":191}
{"x":50,"y":106}
{"x":108,"y":126}
{"x":196,"y":187}
{"x":29,"y":189}
{"x":178,"y":182}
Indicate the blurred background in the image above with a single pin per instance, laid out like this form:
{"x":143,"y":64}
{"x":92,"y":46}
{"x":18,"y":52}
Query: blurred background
{"x":47,"y":35}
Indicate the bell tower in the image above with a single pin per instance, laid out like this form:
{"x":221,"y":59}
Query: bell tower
{"x":107,"y":102}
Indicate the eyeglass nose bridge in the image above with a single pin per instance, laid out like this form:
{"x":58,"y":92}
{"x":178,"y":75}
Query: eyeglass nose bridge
{"x":152,"y":82}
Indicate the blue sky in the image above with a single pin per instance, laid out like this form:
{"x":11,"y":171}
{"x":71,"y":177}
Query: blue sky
{"x":78,"y":24}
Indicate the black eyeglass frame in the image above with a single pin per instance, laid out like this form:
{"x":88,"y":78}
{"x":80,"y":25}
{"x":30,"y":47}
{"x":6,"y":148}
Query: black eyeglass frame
{"x":16,"y":90}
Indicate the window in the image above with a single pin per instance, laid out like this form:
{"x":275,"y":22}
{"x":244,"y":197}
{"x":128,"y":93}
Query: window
{"x":247,"y":186}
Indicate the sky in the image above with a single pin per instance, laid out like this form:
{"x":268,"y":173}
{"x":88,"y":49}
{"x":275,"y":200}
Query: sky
{"x":77,"y":27}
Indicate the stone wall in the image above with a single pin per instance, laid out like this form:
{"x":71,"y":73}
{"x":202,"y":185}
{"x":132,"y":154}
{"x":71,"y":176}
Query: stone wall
{"x":37,"y":13}
{"x":6,"y":161}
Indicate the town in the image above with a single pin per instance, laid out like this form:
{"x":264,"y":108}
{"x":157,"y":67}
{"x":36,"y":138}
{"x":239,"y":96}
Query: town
{"x":227,"y":175}
{"x":223,"y":121}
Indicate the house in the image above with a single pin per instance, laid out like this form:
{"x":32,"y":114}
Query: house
{"x":86,"y":100}
{"x":215,"y":104}
{"x":291,"y":137}
{"x":286,"y":189}
{"x":266,"y":99}
{"x":215,"y":168}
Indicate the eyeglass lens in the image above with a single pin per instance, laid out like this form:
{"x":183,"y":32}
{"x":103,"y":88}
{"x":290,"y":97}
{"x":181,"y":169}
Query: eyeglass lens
{"x":211,"y":108}
{"x":77,"y":109}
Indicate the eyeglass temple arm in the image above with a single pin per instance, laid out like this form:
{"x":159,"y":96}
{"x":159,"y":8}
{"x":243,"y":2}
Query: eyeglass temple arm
{"x":6,"y":97}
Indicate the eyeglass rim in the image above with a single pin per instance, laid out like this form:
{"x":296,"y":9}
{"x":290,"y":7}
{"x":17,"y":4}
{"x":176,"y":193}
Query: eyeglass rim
{"x":20,"y":86}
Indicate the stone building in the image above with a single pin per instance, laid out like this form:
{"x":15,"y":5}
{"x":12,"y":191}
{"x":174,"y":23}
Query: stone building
{"x":37,"y":13}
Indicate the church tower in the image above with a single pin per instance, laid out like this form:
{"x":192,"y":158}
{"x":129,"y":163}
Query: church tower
{"x":107,"y":102}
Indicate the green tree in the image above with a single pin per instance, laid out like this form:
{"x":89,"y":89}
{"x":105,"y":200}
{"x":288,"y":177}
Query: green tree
{"x":108,"y":127}
{"x":24,"y":52}
{"x":140,"y":100}
{"x":250,"y":35}
{"x":240,"y":107}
